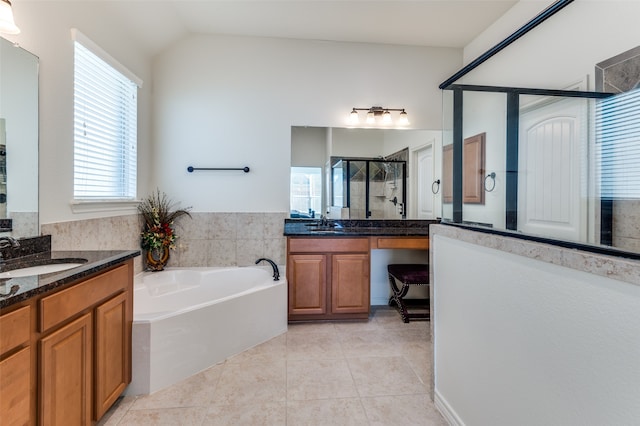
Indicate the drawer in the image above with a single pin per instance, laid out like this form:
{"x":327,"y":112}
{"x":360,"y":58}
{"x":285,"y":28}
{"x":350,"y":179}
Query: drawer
{"x":416,"y":243}
{"x":15,"y":329}
{"x":66,"y":303}
{"x":328,"y":245}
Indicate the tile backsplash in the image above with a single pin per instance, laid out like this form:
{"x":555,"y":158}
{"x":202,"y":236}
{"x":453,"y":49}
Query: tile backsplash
{"x":205,"y":239}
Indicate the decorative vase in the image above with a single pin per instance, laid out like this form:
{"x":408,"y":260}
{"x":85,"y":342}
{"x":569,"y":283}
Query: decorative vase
{"x":157,"y":258}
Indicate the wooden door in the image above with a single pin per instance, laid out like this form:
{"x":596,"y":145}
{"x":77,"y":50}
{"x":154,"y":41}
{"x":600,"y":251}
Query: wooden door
{"x":112,"y":361}
{"x":15,"y":388}
{"x":307,"y":277}
{"x":65,"y":375}
{"x":349,"y":283}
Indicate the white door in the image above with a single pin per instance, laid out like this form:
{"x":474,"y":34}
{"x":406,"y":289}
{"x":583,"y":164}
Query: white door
{"x":552,"y":170}
{"x":422,"y":179}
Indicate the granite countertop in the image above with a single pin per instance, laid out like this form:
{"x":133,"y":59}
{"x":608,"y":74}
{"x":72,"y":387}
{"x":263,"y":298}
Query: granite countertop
{"x":33,"y":285}
{"x":357,"y":228}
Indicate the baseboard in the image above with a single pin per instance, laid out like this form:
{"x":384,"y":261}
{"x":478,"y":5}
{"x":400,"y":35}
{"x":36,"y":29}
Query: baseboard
{"x":445,"y":409}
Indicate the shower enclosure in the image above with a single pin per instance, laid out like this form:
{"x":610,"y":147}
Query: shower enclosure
{"x":370,"y":188}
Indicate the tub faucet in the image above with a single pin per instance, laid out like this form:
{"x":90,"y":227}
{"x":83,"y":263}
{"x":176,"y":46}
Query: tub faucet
{"x":276,"y":273}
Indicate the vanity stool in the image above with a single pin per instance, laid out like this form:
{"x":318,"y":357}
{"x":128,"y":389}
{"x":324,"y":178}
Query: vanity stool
{"x":407,"y":275}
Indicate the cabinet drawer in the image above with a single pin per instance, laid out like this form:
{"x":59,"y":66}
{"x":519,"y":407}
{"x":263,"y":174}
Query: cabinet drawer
{"x":15,"y":329}
{"x":328,"y":245}
{"x":416,"y":243}
{"x":66,"y":303}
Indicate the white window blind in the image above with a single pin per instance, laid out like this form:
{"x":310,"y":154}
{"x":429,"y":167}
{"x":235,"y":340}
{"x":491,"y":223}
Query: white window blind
{"x":618,"y":137}
{"x":105,"y":129}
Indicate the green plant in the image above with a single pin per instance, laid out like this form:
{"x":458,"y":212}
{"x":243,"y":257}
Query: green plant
{"x":159,"y":214}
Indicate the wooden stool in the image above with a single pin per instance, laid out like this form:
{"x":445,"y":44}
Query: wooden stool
{"x":408,"y":274}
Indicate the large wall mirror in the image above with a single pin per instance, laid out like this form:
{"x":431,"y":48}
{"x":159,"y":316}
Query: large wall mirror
{"x":18,"y":141}
{"x":402,"y":165}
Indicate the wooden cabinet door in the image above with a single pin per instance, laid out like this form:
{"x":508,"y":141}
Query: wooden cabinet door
{"x":65,"y":375}
{"x":350,"y":283}
{"x":112,"y":360}
{"x":15,"y":389}
{"x":307,"y":277}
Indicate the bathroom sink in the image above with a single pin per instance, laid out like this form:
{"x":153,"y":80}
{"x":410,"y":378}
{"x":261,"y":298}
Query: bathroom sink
{"x":48,"y":268}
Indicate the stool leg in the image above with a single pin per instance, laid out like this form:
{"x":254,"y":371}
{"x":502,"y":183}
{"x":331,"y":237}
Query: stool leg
{"x":401,"y":305}
{"x":393,"y":300}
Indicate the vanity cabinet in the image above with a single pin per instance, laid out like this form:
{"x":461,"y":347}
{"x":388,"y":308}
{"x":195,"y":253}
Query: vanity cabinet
{"x":17,"y":402}
{"x":77,"y":352}
{"x":328,"y":278}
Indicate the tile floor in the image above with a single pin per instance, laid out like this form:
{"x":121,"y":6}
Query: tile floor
{"x":340,"y":373}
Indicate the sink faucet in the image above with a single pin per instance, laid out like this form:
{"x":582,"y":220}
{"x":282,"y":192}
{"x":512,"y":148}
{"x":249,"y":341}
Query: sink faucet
{"x":6,"y":242}
{"x":324,"y":221}
{"x":276,"y":273}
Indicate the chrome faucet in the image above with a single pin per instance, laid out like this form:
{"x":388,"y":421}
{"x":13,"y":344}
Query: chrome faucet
{"x":276,"y":273}
{"x":6,"y":242}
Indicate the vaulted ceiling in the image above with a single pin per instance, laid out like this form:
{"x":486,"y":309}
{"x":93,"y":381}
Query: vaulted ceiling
{"x":435,"y":23}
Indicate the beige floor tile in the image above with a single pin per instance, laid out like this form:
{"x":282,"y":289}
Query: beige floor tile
{"x":319,"y":379}
{"x":272,"y":350}
{"x":422,"y":364}
{"x":251,"y":383}
{"x":268,"y":414}
{"x":362,"y":343}
{"x":191,"y":416}
{"x":407,"y":410}
{"x":314,"y":345}
{"x":326,"y":412}
{"x":310,"y":327}
{"x":376,"y":376}
{"x":350,"y":326}
{"x":197,"y":390}
{"x":117,"y":411}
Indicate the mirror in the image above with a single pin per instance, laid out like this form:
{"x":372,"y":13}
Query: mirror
{"x":398,"y":155}
{"x":18,"y":141}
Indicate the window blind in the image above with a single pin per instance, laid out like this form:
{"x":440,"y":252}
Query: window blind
{"x":618,"y":139}
{"x":105,"y":129}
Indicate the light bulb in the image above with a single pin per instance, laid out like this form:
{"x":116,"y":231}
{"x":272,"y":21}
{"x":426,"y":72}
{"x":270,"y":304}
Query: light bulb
{"x":371,"y":118}
{"x":7,"y":25}
{"x":353,"y":117}
{"x":404,"y":119}
{"x":386,"y":117}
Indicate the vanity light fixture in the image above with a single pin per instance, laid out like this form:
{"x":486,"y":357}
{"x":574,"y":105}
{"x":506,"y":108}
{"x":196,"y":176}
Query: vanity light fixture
{"x":377,"y":114}
{"x":7,"y":24}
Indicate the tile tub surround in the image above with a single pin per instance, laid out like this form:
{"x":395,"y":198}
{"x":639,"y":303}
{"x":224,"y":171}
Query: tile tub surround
{"x":343,"y":373}
{"x":205,"y":239}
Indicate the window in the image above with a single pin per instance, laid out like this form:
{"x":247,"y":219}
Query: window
{"x":306,"y":191}
{"x":105,"y":125}
{"x":618,"y":136}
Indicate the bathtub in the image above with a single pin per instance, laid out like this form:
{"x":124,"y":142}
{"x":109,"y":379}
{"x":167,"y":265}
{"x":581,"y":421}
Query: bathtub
{"x":188,"y":319}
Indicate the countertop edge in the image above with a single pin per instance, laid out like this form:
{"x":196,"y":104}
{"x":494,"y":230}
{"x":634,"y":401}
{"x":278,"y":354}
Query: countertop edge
{"x":50,"y":282}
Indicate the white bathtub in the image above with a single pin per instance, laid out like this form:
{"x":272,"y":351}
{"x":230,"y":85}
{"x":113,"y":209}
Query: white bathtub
{"x":188,"y":319}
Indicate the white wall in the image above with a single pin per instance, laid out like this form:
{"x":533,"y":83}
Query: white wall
{"x":46,"y":33}
{"x":231,"y":101}
{"x":308,"y":146}
{"x":561,"y":50}
{"x":522,"y":341}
